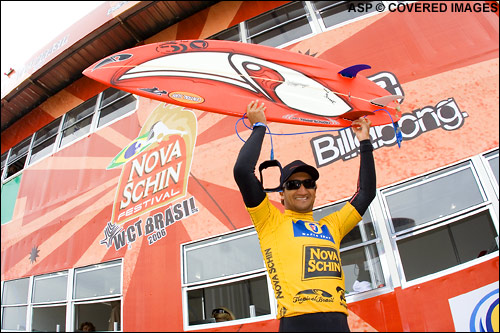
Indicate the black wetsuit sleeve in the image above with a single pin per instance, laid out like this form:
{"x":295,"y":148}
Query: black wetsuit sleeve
{"x":244,"y":169}
{"x":367,"y":183}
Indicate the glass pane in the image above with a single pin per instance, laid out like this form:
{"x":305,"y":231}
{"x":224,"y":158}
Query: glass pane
{"x":275,"y":17}
{"x":493,"y":161}
{"x":74,"y":132}
{"x":362,"y":232}
{"x":47,"y":131}
{"x":49,"y":319}
{"x":117,"y":109}
{"x":15,"y":292}
{"x":474,"y":236}
{"x":16,"y":166}
{"x":4,"y":158}
{"x":427,"y":253}
{"x":362,"y":269}
{"x":434,"y":199}
{"x":448,"y":246}
{"x":80,"y":112}
{"x":224,"y":259}
{"x":102,"y":316}
{"x":14,"y":318}
{"x":110,"y":95}
{"x":97,"y":281}
{"x":284,"y":33}
{"x":333,"y":15}
{"x":19,"y":150}
{"x":51,"y":287}
{"x":232,"y":34}
{"x":318,"y":214}
{"x":42,"y":150}
{"x":243,"y":299}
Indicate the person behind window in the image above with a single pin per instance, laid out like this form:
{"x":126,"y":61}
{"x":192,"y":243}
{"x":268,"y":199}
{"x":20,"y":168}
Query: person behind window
{"x":301,"y":254}
{"x":222,"y":314}
{"x":87,"y":327}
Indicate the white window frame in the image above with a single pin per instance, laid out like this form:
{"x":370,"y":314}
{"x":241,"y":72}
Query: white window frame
{"x":70,"y":302}
{"x":380,"y":246}
{"x":220,"y":281}
{"x":57,"y":146}
{"x":490,"y":204}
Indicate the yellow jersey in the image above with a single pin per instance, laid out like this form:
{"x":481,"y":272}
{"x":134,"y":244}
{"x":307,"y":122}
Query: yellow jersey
{"x":302,"y":257}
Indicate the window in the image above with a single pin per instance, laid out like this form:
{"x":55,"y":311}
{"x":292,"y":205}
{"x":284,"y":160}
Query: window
{"x":279,"y":26}
{"x":225,"y":271}
{"x":491,"y":159}
{"x":49,"y":314}
{"x":333,"y":13}
{"x":3,"y":159}
{"x":44,"y":141}
{"x":432,"y":197}
{"x":359,"y":253}
{"x":15,"y":304}
{"x":232,"y":34}
{"x":96,"y":288}
{"x":440,"y":220}
{"x":447,"y":246}
{"x":95,"y":296}
{"x":17,"y":157}
{"x":77,"y":122}
{"x":113,"y":104}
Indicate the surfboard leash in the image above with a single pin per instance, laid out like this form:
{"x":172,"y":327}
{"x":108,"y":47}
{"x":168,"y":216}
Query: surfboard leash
{"x":397,"y":131}
{"x":272,"y":162}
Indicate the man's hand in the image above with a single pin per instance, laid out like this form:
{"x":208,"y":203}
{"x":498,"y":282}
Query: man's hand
{"x":255,"y":113}
{"x":361,"y":128}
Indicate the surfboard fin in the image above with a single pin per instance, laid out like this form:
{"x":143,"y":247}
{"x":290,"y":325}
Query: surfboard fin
{"x":384,"y":100}
{"x":353,"y":115}
{"x":351,"y":71}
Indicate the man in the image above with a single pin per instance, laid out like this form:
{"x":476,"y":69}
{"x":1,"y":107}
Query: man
{"x":302,"y":255}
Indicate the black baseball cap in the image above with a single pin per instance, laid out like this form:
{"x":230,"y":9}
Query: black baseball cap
{"x":297,"y":166}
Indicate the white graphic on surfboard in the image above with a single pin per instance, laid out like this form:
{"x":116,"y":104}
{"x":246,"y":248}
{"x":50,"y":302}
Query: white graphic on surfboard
{"x":292,"y":88}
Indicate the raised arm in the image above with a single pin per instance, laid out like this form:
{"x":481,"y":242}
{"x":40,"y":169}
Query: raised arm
{"x":244,"y":168}
{"x":367,"y":183}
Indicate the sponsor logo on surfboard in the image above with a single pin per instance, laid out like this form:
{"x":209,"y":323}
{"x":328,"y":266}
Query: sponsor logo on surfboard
{"x":186,"y":97}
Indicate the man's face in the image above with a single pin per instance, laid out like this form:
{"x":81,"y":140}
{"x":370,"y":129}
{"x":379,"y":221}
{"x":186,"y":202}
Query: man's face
{"x":300,"y":200}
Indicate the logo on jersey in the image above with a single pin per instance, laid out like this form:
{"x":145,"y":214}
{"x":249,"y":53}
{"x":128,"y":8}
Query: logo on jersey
{"x":321,"y":262}
{"x":311,"y":229}
{"x":314,"y":295}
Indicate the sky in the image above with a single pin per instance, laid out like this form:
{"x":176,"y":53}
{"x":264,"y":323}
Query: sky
{"x":28,"y":26}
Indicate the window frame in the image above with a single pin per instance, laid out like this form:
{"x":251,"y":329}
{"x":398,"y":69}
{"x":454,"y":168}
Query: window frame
{"x":55,"y":144}
{"x":70,"y":302}
{"x":379,"y":245}
{"x":488,"y":204}
{"x":58,"y":145}
{"x":221,"y":281}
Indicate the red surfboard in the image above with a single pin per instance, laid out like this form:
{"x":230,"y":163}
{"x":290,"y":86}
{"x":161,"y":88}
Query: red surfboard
{"x":224,"y":76}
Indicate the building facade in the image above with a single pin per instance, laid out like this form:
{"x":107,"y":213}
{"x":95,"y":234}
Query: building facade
{"x":94,"y":230}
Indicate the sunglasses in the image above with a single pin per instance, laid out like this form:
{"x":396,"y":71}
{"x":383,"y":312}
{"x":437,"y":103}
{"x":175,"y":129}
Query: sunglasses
{"x":215,"y":311}
{"x":295,"y":184}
